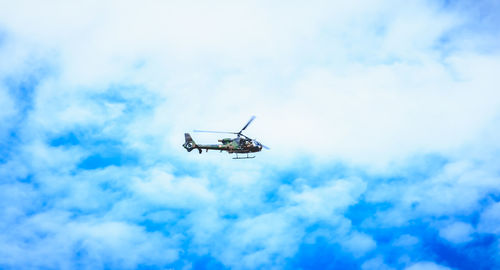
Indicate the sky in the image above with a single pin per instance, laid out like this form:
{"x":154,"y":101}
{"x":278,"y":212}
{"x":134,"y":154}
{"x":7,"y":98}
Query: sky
{"x":382,"y":118}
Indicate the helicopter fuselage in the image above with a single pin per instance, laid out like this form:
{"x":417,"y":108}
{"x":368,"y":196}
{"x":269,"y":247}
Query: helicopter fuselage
{"x":237,"y":145}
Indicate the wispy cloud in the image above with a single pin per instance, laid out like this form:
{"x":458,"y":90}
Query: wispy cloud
{"x":382,"y":117}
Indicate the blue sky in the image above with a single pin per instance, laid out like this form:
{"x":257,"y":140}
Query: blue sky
{"x":382,"y":117}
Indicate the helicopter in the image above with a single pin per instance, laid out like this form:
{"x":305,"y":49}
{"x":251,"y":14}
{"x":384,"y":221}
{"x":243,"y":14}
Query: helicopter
{"x":239,"y":145}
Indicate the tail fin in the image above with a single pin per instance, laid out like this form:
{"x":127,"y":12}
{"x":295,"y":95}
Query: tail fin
{"x":189,"y":144}
{"x":188,"y":138}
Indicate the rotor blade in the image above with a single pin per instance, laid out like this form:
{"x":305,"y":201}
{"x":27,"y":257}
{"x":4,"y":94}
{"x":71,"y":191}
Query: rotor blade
{"x":249,"y":121}
{"x":263,"y":145}
{"x":243,"y":135}
{"x":209,"y":131}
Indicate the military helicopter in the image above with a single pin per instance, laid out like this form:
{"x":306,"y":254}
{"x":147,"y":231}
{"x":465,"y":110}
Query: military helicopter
{"x":239,"y":145}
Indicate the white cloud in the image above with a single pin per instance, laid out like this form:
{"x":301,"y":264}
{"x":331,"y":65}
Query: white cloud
{"x":426,"y":266}
{"x":456,"y":189}
{"x":363,"y":83}
{"x":51,"y":239}
{"x":127,"y":244}
{"x":164,"y":189}
{"x":406,"y":240}
{"x":457,"y":232}
{"x":376,"y":263}
{"x":490,"y":219}
{"x":326,"y":201}
{"x":7,"y":113}
{"x":415,"y":101}
{"x":359,"y":243}
{"x":264,"y":240}
{"x":47,"y":160}
{"x":275,"y":233}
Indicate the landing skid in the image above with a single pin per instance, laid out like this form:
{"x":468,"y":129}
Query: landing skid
{"x":244,"y":157}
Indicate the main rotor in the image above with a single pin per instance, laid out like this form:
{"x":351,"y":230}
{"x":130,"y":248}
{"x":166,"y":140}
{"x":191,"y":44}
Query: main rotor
{"x":238,"y":134}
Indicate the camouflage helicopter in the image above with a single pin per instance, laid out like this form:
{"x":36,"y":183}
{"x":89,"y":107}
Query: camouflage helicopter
{"x":239,"y":145}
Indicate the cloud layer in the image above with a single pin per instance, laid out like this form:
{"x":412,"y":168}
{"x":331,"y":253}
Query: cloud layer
{"x":382,"y":118}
